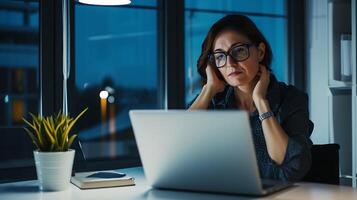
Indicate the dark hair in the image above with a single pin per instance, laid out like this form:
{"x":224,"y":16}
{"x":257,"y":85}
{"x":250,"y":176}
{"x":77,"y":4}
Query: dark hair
{"x":241,"y":24}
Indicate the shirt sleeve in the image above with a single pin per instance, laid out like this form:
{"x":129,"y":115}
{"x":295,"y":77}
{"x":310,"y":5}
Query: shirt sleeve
{"x":296,"y":123}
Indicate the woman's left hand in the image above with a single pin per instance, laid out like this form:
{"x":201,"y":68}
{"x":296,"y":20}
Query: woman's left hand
{"x":260,"y":89}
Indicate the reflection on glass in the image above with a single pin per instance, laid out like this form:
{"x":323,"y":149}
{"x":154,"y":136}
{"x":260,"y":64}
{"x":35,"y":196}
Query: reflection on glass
{"x":115,"y":71}
{"x":19,"y":55}
{"x":272,"y":7}
{"x":269,"y":16}
{"x":18,"y":60}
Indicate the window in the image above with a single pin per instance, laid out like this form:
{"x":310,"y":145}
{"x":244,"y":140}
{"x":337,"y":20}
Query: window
{"x":115,"y":70}
{"x":269,"y":16}
{"x":118,"y":65}
{"x":19,"y":80}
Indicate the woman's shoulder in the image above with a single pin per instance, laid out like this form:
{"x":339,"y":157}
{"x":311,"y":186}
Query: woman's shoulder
{"x":292,"y":93}
{"x":294,"y":105}
{"x":292,"y":99}
{"x":281,"y":94}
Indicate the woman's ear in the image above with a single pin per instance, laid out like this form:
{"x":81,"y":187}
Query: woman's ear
{"x":261,"y":51}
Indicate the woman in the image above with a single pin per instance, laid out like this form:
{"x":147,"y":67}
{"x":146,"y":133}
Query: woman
{"x":235,"y":68}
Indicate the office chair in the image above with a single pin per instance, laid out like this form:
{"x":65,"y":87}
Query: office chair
{"x":325,"y":164}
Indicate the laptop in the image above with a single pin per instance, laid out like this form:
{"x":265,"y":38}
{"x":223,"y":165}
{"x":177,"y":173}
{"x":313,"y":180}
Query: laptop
{"x":205,"y":151}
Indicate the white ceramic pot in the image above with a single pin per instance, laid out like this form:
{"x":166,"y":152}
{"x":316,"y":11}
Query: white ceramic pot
{"x":54,"y":169}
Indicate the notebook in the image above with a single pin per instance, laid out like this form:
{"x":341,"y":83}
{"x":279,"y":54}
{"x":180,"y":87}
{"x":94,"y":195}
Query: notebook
{"x":101,"y":179}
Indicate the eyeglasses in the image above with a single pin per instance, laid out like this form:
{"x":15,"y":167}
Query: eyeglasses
{"x":238,"y":53}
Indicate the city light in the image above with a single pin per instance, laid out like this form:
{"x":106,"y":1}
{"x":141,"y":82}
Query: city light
{"x":103,"y":94}
{"x":111,"y":99}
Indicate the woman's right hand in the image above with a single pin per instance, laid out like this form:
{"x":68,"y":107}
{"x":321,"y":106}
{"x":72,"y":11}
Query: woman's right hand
{"x":214,"y":84}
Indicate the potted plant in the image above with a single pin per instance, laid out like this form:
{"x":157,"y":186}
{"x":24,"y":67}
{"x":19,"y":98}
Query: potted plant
{"x":53,"y":156}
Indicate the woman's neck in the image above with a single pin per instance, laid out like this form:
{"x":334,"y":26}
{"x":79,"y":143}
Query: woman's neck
{"x":244,"y":95}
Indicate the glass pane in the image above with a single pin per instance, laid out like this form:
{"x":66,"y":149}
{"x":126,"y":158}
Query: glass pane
{"x":197,"y":24}
{"x":273,"y":7}
{"x":19,"y":65}
{"x":115,"y":71}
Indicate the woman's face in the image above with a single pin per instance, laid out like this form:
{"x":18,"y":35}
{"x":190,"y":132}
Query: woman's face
{"x":242,"y":72}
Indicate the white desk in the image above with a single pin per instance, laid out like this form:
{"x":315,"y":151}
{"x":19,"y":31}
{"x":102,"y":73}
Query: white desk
{"x":28,"y":190}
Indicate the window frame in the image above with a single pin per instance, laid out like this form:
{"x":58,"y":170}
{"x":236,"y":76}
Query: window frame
{"x":49,"y":62}
{"x":297,"y":43}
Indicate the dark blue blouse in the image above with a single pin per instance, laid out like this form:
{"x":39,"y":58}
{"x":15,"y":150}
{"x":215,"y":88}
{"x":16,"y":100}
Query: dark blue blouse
{"x":290,"y":107}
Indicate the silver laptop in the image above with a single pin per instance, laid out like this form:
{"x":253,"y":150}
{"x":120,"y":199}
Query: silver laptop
{"x":209,"y":151}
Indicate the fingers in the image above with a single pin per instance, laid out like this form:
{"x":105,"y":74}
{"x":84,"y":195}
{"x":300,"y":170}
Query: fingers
{"x":263,"y":70}
{"x":259,"y":73}
{"x":210,"y":72}
{"x":208,"y":68}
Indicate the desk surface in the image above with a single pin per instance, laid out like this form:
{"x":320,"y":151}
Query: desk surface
{"x":28,"y":190}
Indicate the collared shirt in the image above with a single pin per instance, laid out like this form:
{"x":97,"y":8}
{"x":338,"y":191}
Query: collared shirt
{"x":290,"y":107}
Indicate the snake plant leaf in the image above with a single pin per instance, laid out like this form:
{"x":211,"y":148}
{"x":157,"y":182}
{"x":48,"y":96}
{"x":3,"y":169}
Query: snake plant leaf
{"x":60,"y":124}
{"x":34,"y":116}
{"x":52,"y":147}
{"x":30,"y":124}
{"x":52,"y":123}
{"x":70,"y":125}
{"x":58,"y":115}
{"x":52,"y":133}
{"x":37,"y":123}
{"x":38,"y":132}
{"x":48,"y":131}
{"x":36,"y":120}
{"x":40,"y":136}
{"x":33,"y":138}
{"x":49,"y":124}
{"x":71,"y":140}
